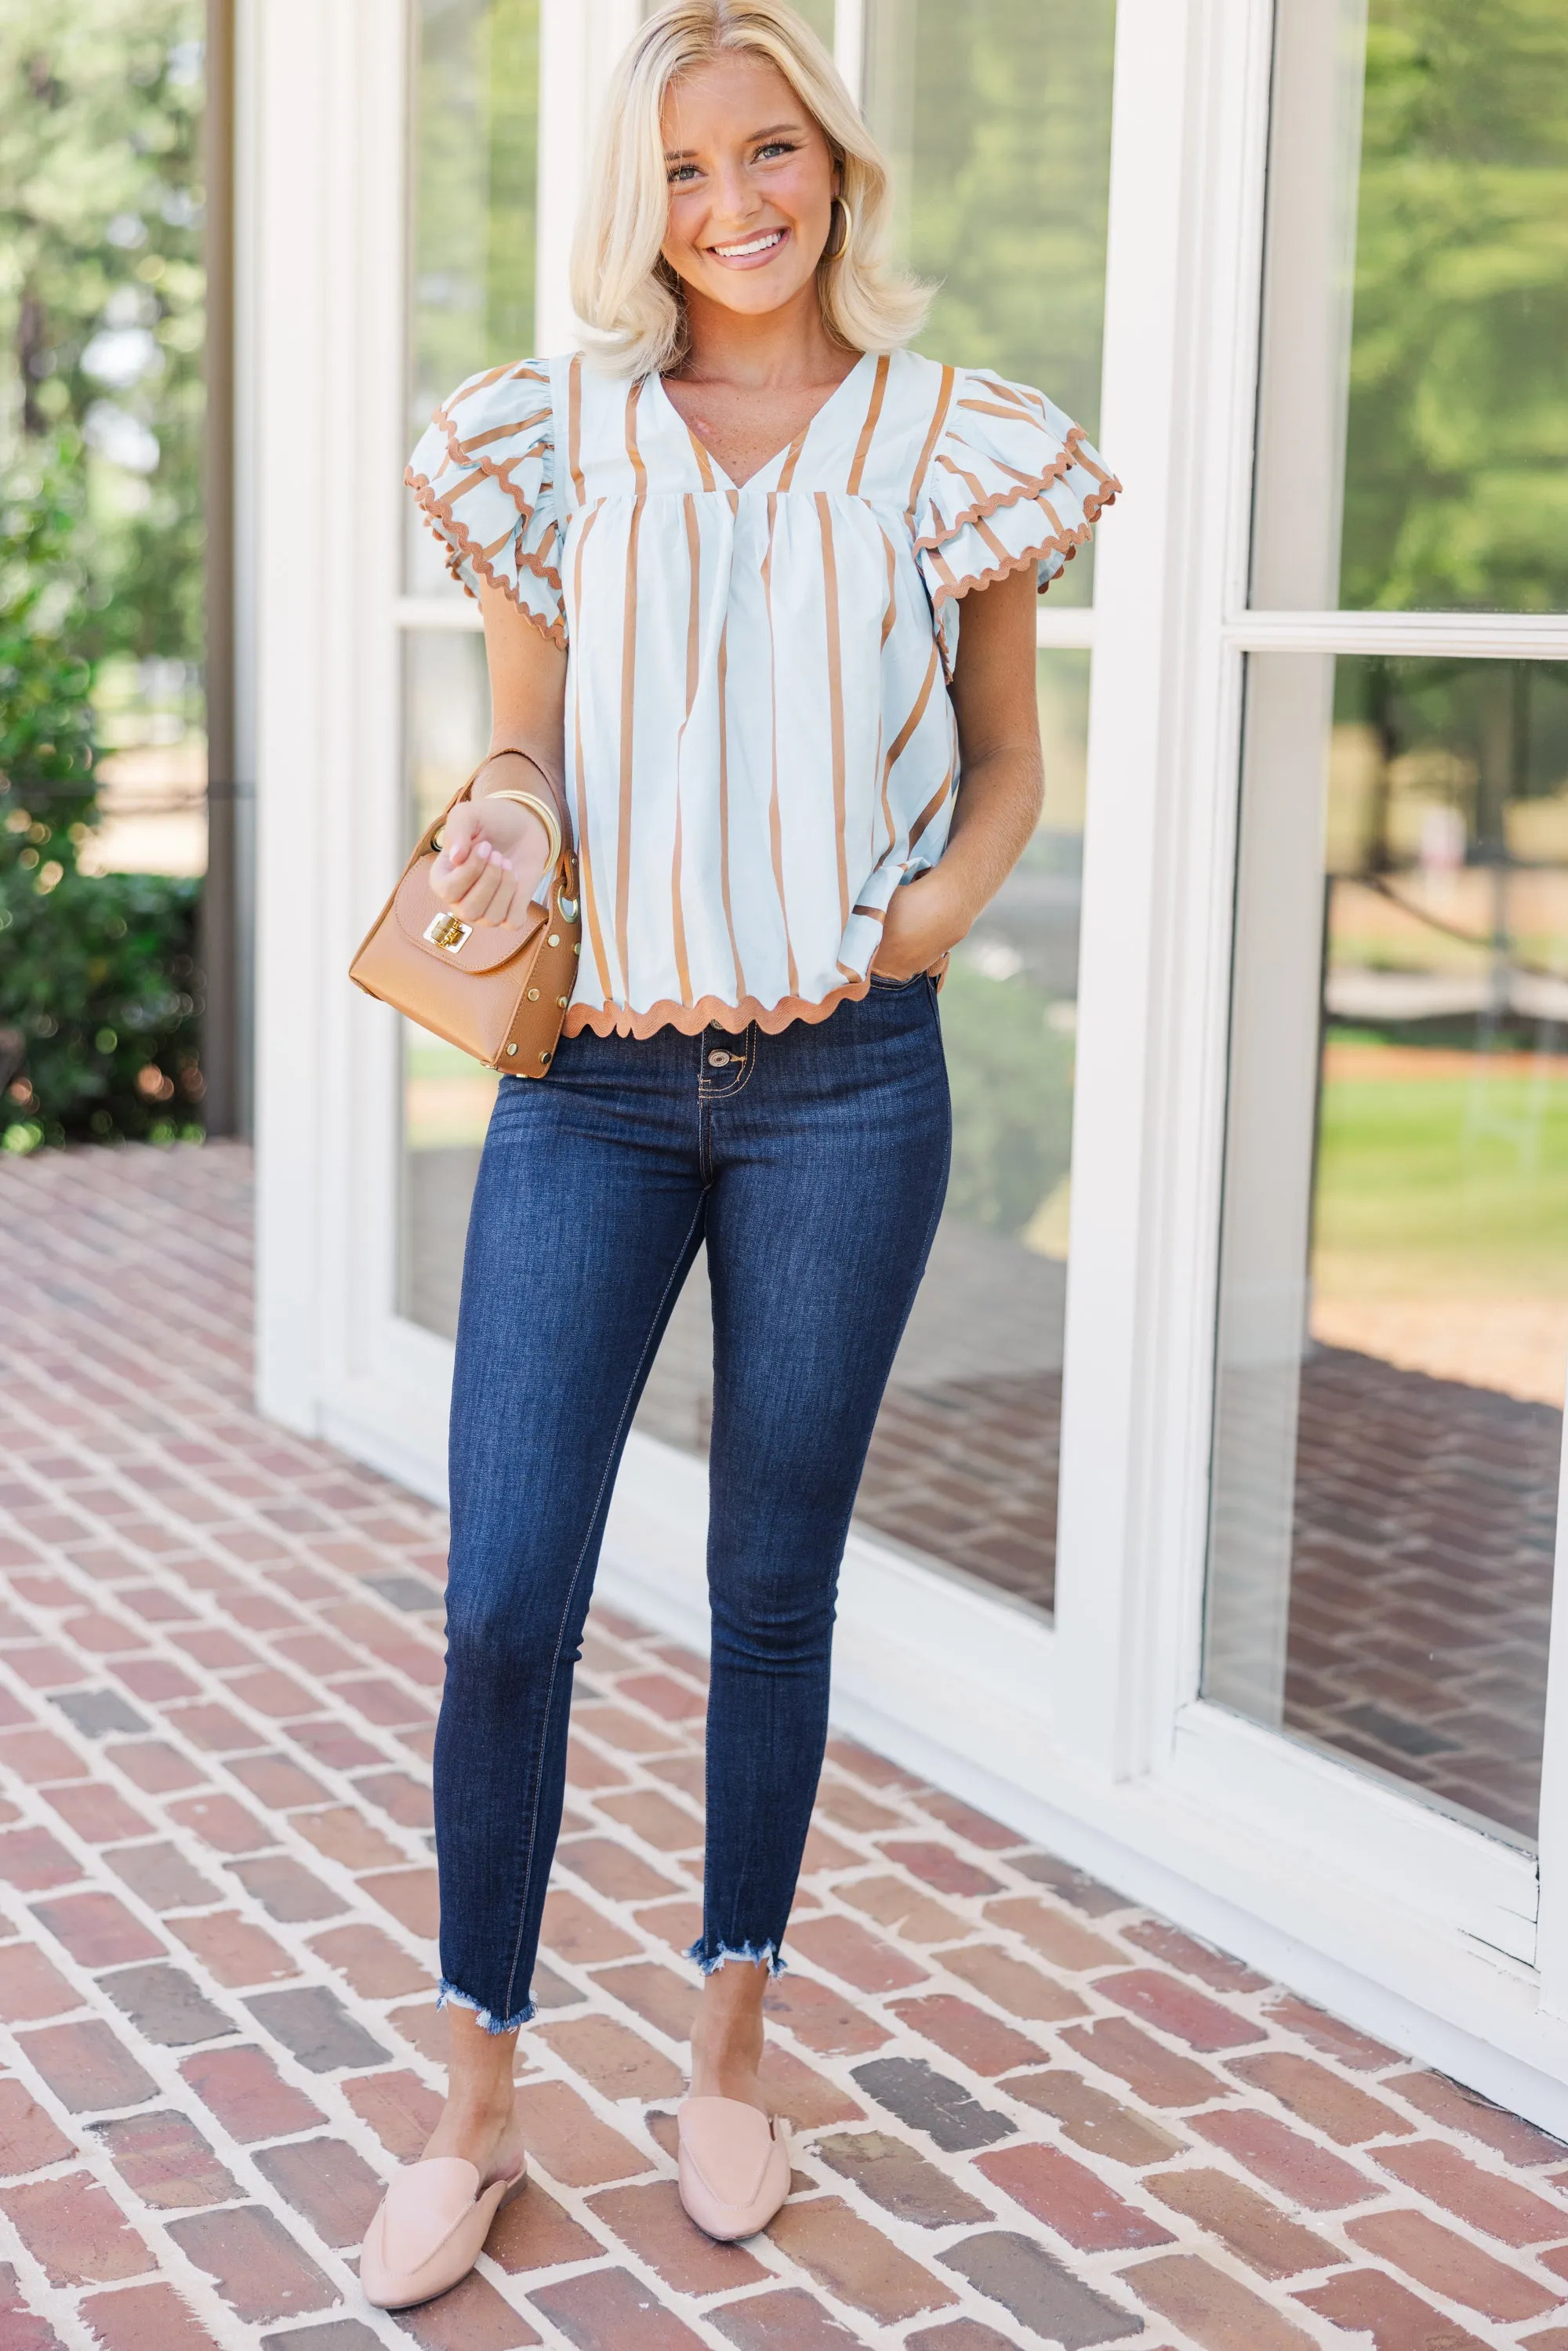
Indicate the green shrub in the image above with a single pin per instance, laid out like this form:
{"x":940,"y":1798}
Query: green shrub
{"x":98,"y":1011}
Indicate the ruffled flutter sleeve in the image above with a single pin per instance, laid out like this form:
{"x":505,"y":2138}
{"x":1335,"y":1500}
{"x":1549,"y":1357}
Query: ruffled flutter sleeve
{"x":483,"y":474}
{"x":1011,"y":481}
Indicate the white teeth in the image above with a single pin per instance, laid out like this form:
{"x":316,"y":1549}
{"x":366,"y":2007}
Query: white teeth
{"x":758,"y":245}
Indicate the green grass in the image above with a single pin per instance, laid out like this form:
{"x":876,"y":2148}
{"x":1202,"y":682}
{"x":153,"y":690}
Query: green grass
{"x":1455,"y":1184}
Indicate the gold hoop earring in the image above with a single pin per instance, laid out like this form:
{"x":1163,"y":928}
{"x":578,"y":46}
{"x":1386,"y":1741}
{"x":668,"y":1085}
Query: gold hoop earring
{"x":837,"y":252}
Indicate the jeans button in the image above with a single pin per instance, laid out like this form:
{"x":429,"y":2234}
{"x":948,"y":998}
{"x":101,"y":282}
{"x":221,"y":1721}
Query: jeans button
{"x":718,"y":1060}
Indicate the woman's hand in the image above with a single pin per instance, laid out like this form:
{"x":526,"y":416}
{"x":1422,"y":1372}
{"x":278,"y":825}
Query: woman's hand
{"x":925,"y":920}
{"x":492,"y":856}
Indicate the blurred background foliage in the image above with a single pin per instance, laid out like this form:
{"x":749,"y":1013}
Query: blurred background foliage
{"x":100,"y":547}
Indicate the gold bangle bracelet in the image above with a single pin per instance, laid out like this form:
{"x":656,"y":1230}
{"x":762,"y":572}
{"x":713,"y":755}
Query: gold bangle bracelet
{"x":546,"y":815}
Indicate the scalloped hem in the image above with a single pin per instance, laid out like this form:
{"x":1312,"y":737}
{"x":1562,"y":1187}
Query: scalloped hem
{"x":752,"y":1954}
{"x":1023,"y":488}
{"x":448,"y":1996}
{"x":445,"y":527}
{"x":1065,"y":543}
{"x":691,"y":1020}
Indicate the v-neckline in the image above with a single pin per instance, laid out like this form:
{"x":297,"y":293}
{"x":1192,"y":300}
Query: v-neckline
{"x":724,"y":480}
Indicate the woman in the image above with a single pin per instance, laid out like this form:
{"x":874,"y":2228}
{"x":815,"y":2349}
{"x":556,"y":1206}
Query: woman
{"x":721,"y":563}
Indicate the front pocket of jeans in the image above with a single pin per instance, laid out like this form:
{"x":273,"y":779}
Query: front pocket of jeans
{"x":895,"y":986}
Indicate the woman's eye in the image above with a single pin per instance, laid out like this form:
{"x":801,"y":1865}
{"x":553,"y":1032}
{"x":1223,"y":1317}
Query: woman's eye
{"x":775,"y":147}
{"x":680,"y":172}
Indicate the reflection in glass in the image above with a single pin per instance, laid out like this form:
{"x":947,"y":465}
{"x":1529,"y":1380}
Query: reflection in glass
{"x":964,"y":1461}
{"x":1413,"y":413}
{"x":446,"y":1097}
{"x":473,"y":170}
{"x":1394,"y":1308}
{"x":996,"y":121}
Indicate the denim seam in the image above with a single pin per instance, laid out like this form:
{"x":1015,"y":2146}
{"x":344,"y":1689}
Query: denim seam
{"x":536,"y":1764}
{"x":708,"y":1094}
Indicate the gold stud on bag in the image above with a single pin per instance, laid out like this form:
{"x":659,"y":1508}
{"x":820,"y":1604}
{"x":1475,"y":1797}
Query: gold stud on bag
{"x":498,"y":993}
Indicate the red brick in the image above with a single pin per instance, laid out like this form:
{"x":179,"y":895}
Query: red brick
{"x":155,"y":1679}
{"x":98,"y":1814}
{"x":1211,"y":2307}
{"x":855,"y":2261}
{"x":862,"y":1763}
{"x":937,"y":1865}
{"x":411,"y":1896}
{"x":1365,"y":2301}
{"x":567,"y":2139}
{"x":976,"y":1828}
{"x":1156,"y":2074}
{"x":672,"y":1700}
{"x":1185,"y":1952}
{"x":1499,"y":2207}
{"x":915,"y":1917}
{"x":249,"y":2097}
{"x":30,"y":1987}
{"x":662,"y":1998}
{"x":268,"y":1691}
{"x":258,"y":2269}
{"x":1065,"y":1941}
{"x":44,"y":1666}
{"x":822,"y":2019}
{"x":87,"y":2065}
{"x":98,"y":1931}
{"x":163,"y":2158}
{"x":534,"y":2233}
{"x":1282,"y":2158}
{"x":1326,"y":2033}
{"x":796,"y":2090}
{"x":399,"y":2108}
{"x":606,"y":2307}
{"x":75,"y":2230}
{"x":851,"y":1808}
{"x":277,"y":1783}
{"x":377,"y":1967}
{"x":155,"y":1768}
{"x":650,"y":2219}
{"x":577,"y":1932}
{"x":617,"y":2061}
{"x":1092,"y":2119}
{"x":213,"y":1728}
{"x":407,"y":1801}
{"x":1070,"y":2199}
{"x":324,"y":2179}
{"x":471,"y":2318}
{"x":384,"y":1703}
{"x":222,"y":1824}
{"x":232,"y":1950}
{"x":214,"y":1648}
{"x":791,"y":2320}
{"x":613,"y":1871}
{"x":145,"y":2318}
{"x":1450,"y":2266}
{"x":32,"y":1861}
{"x":850,"y":1951}
{"x":655,"y":1819}
{"x":1022,"y":1990}
{"x":28,"y":2139}
{"x":103,"y":1634}
{"x":162,"y":1877}
{"x":1336,"y":2108}
{"x":1460,"y":2109}
{"x":1175,"y":2008}
{"x":286,"y":1888}
{"x":980,"y":2042}
{"x":38,"y":1756}
{"x":1251,"y":2228}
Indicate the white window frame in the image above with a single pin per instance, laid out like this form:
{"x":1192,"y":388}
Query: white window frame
{"x":1089,"y":1734}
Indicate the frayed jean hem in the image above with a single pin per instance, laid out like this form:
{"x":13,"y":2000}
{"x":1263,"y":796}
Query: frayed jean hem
{"x":449,"y":1996}
{"x":711,"y":1960}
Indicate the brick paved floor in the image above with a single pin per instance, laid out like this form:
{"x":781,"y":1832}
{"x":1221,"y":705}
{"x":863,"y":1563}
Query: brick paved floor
{"x":1030,"y":2113}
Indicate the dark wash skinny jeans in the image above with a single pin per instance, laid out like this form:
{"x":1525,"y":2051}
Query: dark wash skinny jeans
{"x":813,"y":1164}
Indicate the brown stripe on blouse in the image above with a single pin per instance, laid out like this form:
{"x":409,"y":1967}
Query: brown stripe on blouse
{"x":639,"y":471}
{"x":774,"y":822}
{"x":890,"y":609}
{"x":694,"y":640}
{"x":704,"y":463}
{"x":585,"y":866}
{"x":574,"y":425}
{"x":900,"y":743}
{"x":505,"y":433}
{"x":791,"y":459}
{"x":872,"y":914}
{"x":835,"y":693}
{"x":873,"y":411}
{"x":931,"y":808}
{"x":628,"y":719}
{"x":724,"y":804}
{"x":938,"y":418}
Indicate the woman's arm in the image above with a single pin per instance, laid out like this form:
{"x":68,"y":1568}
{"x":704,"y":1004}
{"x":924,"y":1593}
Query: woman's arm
{"x":1003,"y":780}
{"x":494,"y":852}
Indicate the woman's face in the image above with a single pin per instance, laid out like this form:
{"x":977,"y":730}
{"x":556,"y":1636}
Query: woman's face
{"x":752,"y":181}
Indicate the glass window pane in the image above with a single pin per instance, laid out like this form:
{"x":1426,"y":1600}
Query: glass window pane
{"x":473,"y":169}
{"x":1394,"y":1305}
{"x":446,"y":1097}
{"x":1412,"y":418}
{"x":997,"y":119}
{"x":963,"y":1464}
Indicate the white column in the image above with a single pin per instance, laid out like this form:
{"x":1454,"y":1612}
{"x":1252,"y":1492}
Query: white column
{"x":580,"y":42}
{"x":849,"y":45}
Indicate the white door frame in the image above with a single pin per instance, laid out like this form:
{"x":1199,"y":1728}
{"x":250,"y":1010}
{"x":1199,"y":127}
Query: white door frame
{"x":1091,"y":1736}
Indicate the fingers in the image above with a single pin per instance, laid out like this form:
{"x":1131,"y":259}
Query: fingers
{"x":484,"y":889}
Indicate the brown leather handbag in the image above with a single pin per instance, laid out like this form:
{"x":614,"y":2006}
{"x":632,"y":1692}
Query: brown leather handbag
{"x":500,"y":994}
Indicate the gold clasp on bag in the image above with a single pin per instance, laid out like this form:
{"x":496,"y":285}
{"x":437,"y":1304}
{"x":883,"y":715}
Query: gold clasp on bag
{"x":446,"y":931}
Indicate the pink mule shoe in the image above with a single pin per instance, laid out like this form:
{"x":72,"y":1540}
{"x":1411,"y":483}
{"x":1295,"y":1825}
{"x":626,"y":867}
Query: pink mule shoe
{"x":428,"y":2230}
{"x":735,"y":2165}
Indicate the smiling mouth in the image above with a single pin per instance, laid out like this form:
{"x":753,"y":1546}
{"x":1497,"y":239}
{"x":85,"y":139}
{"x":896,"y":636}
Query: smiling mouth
{"x":767,"y":242}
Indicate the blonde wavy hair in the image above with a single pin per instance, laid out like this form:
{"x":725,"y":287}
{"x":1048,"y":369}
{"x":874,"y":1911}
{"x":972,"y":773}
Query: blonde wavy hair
{"x":622,"y":287}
